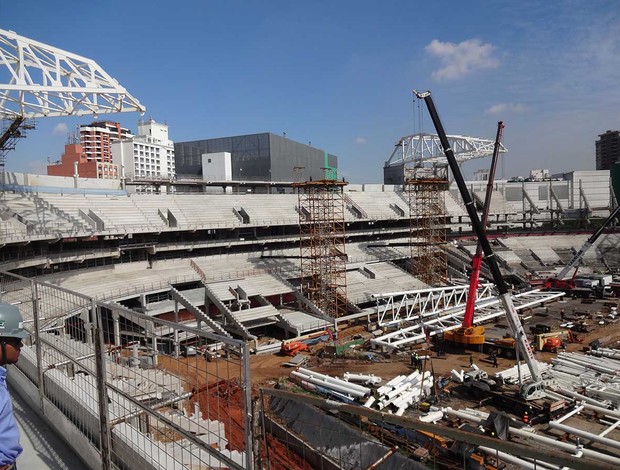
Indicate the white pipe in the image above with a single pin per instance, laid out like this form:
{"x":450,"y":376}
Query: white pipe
{"x":585,"y":434}
{"x":570,"y":413}
{"x":578,"y":396}
{"x":515,"y":460}
{"x":610,"y":428}
{"x":332,"y":386}
{"x":339,"y":382}
{"x":571,"y":448}
{"x":364,"y":378}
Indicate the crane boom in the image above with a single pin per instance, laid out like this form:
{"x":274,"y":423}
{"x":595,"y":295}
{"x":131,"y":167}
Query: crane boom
{"x":504,"y":296}
{"x":587,"y":245}
{"x":468,"y":317}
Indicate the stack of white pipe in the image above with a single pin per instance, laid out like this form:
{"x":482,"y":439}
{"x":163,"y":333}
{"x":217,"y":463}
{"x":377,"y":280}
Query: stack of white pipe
{"x":332,"y":383}
{"x":366,"y":379}
{"x":402,"y":391}
{"x":511,"y":375}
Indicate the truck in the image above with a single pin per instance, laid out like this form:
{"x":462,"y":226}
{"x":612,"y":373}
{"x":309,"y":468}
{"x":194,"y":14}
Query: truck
{"x":558,"y":282}
{"x":479,"y":385}
{"x":535,"y":388}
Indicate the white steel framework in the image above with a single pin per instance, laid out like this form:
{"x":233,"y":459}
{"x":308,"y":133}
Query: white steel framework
{"x":424,"y":147}
{"x":38,"y":80}
{"x":435,"y":321}
{"x":396,"y":307}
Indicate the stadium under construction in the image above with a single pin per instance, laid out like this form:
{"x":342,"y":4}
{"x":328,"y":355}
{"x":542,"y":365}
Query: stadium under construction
{"x":207,"y":322}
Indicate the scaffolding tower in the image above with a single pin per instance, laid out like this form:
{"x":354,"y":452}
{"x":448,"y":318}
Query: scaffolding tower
{"x":426,"y":188}
{"x":322,"y":242}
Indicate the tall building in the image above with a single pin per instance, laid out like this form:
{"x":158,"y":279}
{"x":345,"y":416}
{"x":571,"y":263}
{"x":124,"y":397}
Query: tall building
{"x":96,"y":139}
{"x":257,"y":157}
{"x":607,"y":150}
{"x":91,"y":155}
{"x":148,"y":155}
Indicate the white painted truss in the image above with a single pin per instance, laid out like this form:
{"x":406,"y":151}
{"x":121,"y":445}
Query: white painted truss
{"x":37,"y":80}
{"x":425,"y":147}
{"x":437,"y":321}
{"x":396,"y":307}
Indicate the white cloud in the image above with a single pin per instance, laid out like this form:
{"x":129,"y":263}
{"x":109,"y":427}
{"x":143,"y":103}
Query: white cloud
{"x":360,"y":140}
{"x":61,"y":129}
{"x":461,"y":59}
{"x":500,"y":108}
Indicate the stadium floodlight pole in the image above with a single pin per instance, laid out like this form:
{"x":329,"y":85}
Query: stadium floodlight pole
{"x":504,"y":296}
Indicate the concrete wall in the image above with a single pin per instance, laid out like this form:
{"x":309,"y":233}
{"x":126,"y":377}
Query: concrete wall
{"x":55,"y":184}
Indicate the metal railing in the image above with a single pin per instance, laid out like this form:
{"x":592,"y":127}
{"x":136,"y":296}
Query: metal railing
{"x":115,"y":383}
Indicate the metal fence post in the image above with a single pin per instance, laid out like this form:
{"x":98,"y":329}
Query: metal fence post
{"x":101,"y":378}
{"x":37,"y":344}
{"x":249,"y":431}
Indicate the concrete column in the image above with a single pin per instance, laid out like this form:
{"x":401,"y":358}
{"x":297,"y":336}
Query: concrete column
{"x":117,"y":328}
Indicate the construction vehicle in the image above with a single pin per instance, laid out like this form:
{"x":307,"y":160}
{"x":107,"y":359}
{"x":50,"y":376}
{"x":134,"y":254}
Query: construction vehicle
{"x":502,"y":347}
{"x":535,"y":388}
{"x":550,"y":342}
{"x":479,"y":385}
{"x":468,"y":333}
{"x":558,"y":282}
{"x":293,"y":347}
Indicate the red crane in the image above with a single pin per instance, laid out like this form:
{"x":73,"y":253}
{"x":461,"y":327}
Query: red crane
{"x":468,"y":333}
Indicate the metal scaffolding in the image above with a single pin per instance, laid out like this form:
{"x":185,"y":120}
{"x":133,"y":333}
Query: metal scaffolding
{"x":322,"y":242}
{"x":427,"y":222}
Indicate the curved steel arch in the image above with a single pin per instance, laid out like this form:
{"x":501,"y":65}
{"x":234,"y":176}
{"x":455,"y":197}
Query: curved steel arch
{"x":38,"y":80}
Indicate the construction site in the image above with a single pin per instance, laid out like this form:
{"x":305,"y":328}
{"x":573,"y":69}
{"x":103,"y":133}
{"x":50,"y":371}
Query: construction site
{"x":431,"y":322}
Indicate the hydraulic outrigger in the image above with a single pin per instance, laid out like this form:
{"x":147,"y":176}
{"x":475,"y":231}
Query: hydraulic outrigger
{"x":534,"y":389}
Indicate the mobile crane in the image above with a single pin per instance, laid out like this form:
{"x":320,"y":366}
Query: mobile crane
{"x":535,"y":388}
{"x":468,"y":334}
{"x":558,"y":282}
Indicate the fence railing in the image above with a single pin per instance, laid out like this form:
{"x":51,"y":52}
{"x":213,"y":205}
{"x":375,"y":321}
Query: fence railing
{"x":130,"y":391}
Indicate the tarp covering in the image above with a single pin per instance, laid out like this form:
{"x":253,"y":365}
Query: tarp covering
{"x":338,"y":440}
{"x":499,"y":422}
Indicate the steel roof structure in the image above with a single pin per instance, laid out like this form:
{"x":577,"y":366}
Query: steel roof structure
{"x":426,"y":148}
{"x":38,"y":80}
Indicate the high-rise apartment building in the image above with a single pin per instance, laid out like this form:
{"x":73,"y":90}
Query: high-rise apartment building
{"x":96,"y":139}
{"x":89,"y":154}
{"x":607,"y":150}
{"x":147,"y":155}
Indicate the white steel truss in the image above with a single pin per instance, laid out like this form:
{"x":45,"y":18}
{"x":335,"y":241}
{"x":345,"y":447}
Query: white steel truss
{"x":450,"y":319}
{"x":37,"y":80}
{"x":396,"y":307}
{"x":423,"y":147}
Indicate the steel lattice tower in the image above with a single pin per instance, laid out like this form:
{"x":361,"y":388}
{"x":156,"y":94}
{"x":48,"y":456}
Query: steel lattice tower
{"x":427,"y":222}
{"x":322,"y":242}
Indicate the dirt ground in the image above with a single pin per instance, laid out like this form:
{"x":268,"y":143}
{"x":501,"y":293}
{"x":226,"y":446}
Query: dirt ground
{"x":222,"y":399}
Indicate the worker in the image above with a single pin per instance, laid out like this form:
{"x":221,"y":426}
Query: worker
{"x":471,"y":360}
{"x":11,"y":335}
{"x":494,"y":357}
{"x":562,"y":314}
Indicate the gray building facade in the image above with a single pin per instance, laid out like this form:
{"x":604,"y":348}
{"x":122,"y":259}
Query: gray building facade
{"x":258,"y":157}
{"x":607,"y":150}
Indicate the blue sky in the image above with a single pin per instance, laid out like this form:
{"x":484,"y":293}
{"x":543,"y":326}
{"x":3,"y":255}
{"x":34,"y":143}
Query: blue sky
{"x":339,"y":74}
